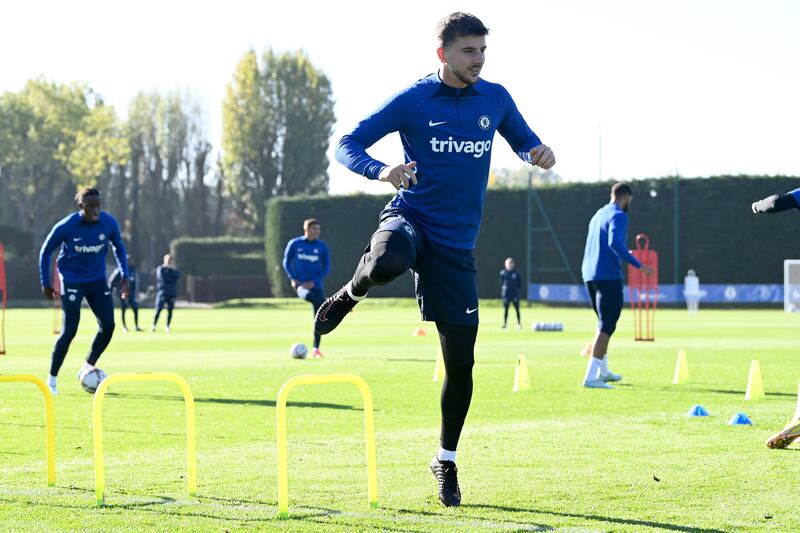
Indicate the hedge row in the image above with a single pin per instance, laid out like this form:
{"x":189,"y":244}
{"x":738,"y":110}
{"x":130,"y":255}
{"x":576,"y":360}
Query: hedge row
{"x":708,"y":226}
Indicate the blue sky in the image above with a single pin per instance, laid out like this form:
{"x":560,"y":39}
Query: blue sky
{"x":699,"y":87}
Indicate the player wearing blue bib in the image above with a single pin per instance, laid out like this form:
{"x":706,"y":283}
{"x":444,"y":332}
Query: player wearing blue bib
{"x":84,"y":238}
{"x":605,"y":249}
{"x":115,"y":282}
{"x":510,"y":286}
{"x":446,"y":122}
{"x":307,"y":261}
{"x":167,"y":277}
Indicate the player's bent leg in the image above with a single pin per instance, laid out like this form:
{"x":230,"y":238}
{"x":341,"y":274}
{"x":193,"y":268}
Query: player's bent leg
{"x":102,"y":306}
{"x":458,"y":349}
{"x":71,"y":317}
{"x":390,"y":255}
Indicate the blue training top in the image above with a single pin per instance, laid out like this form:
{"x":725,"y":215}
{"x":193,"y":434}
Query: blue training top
{"x":510,"y":283}
{"x":167,"y":281}
{"x":605,"y":245}
{"x":449,"y":133}
{"x":306,"y":260}
{"x":83,"y":249}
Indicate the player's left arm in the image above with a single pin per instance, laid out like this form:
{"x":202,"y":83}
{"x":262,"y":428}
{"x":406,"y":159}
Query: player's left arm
{"x":521,"y":137}
{"x":325,"y":259}
{"x":778,"y":202}
{"x":617,"y":232}
{"x":122,"y":259}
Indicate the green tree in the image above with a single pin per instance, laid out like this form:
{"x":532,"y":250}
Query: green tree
{"x":277,"y":120}
{"x":53,"y":138}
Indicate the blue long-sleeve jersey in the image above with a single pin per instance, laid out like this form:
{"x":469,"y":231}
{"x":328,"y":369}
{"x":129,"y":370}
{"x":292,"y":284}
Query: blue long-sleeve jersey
{"x":306,"y":260}
{"x":605,"y":245}
{"x":449,"y":133}
{"x":83,"y":249}
{"x":510,"y":283}
{"x":167,"y":280}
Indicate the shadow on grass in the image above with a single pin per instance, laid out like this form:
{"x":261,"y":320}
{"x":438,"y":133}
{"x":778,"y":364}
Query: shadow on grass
{"x":410,"y":360}
{"x":598,"y":518}
{"x":237,"y":401}
{"x":741,"y":392}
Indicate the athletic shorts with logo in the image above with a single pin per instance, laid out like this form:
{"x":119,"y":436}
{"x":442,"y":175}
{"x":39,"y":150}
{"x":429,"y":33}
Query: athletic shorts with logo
{"x":445,"y":278}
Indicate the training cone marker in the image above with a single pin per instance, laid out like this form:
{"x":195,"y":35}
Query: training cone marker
{"x":697,"y":410}
{"x":755,"y":388}
{"x":740,"y":419}
{"x":419,"y":332}
{"x":681,"y":368}
{"x":587,"y":350}
{"x":438,"y":372}
{"x":522,"y":380}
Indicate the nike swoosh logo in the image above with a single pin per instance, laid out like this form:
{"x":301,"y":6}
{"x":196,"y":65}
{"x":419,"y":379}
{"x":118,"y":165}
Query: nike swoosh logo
{"x":432,"y":123}
{"x":77,"y":238}
{"x":470,"y":311}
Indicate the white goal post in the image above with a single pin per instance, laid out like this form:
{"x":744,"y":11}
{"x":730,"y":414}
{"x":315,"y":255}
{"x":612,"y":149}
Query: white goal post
{"x":791,"y":285}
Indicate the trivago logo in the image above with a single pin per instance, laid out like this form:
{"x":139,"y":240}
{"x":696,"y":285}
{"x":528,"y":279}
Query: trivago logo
{"x":306,"y":257}
{"x":89,"y":249}
{"x":476,"y":148}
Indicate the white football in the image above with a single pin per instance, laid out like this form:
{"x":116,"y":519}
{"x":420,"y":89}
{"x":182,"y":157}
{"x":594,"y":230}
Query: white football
{"x":298,"y":350}
{"x":91,"y":380}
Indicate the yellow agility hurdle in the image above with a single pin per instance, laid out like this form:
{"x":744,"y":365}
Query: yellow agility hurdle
{"x":369,"y":426}
{"x":97,"y":425}
{"x":49,"y":420}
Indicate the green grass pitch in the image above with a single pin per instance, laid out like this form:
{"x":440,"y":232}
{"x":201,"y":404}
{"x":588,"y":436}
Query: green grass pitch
{"x":556,"y":457}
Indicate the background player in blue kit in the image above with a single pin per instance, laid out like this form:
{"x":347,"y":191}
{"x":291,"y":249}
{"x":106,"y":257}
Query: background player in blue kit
{"x":167,"y":277}
{"x":84,"y":237}
{"x":510,"y":285}
{"x":306,"y":261}
{"x":605,"y":249}
{"x":447,"y":121}
{"x":115,"y":282}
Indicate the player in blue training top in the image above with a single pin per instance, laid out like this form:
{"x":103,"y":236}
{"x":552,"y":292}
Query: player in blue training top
{"x":446,"y":121}
{"x":775,"y":204}
{"x":510,"y":285}
{"x":605,"y":249}
{"x":115,"y":282}
{"x":84,"y":237}
{"x":306,"y":261}
{"x":167,"y":277}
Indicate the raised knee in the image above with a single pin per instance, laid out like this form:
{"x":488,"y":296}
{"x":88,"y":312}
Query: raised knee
{"x":387,"y":267}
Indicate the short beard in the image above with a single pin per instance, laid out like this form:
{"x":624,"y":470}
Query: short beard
{"x":461,"y":77}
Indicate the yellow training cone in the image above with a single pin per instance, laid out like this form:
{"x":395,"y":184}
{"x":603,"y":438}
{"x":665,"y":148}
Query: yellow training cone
{"x":681,"y":368}
{"x":419,"y":332}
{"x":521,"y":379}
{"x":755,"y":389}
{"x":438,"y":372}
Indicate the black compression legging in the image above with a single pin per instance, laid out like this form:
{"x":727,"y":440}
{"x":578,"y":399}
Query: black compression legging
{"x":389,"y":256}
{"x":515,"y":301}
{"x":458,"y":351}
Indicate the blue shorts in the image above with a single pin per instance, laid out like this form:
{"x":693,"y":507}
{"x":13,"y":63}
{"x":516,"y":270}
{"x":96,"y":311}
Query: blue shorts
{"x":445,"y":278}
{"x":606,"y":298}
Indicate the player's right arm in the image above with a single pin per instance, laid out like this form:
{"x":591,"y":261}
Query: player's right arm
{"x":352,"y":148}
{"x":288,"y":257}
{"x":54,"y":239}
{"x":778,"y":202}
